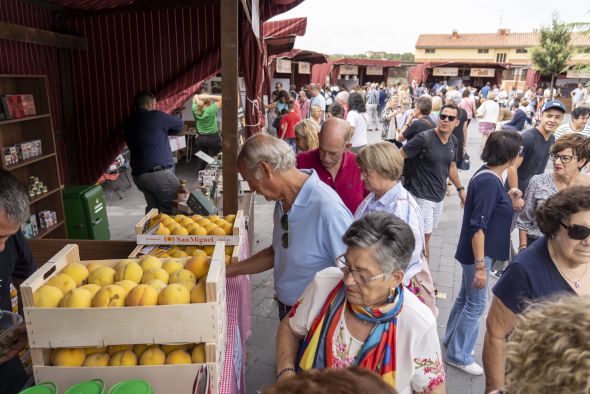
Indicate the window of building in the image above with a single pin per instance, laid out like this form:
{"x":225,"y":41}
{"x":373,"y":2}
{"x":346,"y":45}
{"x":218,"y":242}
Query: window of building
{"x":483,"y":51}
{"x":521,"y":50}
{"x":430,"y":50}
{"x":500,"y":57}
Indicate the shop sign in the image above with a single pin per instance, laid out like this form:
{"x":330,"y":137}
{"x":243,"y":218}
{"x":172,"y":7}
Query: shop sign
{"x":348,"y":69}
{"x":283,"y":66}
{"x":445,"y":71}
{"x":304,"y":68}
{"x":578,"y":74}
{"x":483,"y":72}
{"x":374,"y":70}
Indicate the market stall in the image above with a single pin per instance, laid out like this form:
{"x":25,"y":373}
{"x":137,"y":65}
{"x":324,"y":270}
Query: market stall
{"x":295,"y":65}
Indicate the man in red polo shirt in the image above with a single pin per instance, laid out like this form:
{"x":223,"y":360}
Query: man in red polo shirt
{"x":287,"y":126}
{"x":335,"y":164}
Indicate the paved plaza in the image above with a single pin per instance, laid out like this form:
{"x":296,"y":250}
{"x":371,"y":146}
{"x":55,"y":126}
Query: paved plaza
{"x":123,"y":214}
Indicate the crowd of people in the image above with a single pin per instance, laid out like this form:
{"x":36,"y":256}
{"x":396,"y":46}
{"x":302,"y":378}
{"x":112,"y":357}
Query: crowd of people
{"x":353,"y":220}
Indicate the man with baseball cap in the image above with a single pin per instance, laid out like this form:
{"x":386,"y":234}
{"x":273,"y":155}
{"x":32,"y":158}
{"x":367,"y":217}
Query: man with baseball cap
{"x":534,"y":155}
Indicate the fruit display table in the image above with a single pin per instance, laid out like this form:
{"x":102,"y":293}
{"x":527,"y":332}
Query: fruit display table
{"x":232,"y":379}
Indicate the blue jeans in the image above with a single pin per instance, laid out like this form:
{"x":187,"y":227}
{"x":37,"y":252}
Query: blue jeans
{"x":292,"y":143}
{"x":463,"y":323}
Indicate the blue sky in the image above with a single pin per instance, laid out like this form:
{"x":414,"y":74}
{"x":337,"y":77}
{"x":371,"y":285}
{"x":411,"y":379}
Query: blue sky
{"x":353,"y":26}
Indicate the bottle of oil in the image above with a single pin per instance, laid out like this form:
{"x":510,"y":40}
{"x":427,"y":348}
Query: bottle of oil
{"x":182,"y":192}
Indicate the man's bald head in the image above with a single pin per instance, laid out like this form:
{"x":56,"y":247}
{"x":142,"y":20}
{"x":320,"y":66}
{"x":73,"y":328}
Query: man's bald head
{"x":336,"y":128}
{"x":334,"y":140}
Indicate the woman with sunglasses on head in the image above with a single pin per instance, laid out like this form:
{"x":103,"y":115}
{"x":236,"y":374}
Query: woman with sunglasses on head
{"x":569,"y":155}
{"x":557,"y":263}
{"x":485,"y":235}
{"x":362,"y":315}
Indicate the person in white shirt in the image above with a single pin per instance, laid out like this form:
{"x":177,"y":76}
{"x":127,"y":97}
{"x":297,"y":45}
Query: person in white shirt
{"x":357,"y":117}
{"x":579,"y":96}
{"x":578,"y":123}
{"x":487,"y":114}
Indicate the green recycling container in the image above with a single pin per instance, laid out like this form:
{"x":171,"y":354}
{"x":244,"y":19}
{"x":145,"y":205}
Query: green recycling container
{"x":95,"y":386}
{"x":41,"y":388}
{"x":86,"y":212}
{"x":133,"y":386}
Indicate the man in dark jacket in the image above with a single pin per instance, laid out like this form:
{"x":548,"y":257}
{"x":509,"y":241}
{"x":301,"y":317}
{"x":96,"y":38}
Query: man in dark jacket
{"x":152,"y":166}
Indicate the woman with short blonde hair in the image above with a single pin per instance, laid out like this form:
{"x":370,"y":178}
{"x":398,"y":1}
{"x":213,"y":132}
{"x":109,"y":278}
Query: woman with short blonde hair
{"x":306,"y":135}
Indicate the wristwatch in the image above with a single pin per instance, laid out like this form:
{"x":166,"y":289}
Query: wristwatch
{"x":460,"y":188}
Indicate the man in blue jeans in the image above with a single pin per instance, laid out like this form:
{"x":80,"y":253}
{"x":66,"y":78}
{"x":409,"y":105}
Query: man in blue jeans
{"x":152,"y":166}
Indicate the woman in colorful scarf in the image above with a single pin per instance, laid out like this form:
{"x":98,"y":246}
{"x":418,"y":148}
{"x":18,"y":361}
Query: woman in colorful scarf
{"x":361,"y":314}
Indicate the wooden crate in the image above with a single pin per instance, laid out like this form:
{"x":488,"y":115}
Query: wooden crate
{"x":164,"y":379}
{"x":145,"y":236}
{"x":69,"y":327}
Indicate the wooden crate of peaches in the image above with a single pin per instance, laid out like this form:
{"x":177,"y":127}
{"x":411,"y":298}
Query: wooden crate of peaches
{"x":72,"y":304}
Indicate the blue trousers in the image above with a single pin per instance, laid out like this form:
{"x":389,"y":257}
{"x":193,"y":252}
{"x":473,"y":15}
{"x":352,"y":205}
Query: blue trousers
{"x":463,"y":323}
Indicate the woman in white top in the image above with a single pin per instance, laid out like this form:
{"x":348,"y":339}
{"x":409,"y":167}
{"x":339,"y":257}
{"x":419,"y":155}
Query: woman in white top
{"x":381,"y":166}
{"x":487,"y":114}
{"x":360,"y":314}
{"x":357,"y":117}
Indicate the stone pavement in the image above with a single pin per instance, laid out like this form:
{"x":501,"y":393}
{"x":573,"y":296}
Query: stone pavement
{"x":445,"y":271}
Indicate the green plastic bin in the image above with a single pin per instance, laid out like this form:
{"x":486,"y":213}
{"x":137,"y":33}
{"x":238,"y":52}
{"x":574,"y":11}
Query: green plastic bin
{"x":95,"y":386}
{"x":133,"y":386}
{"x":42,"y":388}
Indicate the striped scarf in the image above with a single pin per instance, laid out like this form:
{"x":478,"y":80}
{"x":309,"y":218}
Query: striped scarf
{"x":377,"y":353}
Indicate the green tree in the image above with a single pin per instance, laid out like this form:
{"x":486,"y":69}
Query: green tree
{"x":551,"y":55}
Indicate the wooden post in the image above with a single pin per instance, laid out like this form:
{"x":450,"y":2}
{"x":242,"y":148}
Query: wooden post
{"x":229,"y":91}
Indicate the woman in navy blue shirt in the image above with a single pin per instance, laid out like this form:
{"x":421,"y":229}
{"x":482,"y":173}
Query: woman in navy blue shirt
{"x":557,"y":263}
{"x":485,"y":235}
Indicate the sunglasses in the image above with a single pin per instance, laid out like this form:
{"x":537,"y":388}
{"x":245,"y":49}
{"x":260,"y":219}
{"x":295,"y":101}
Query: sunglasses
{"x":576,"y":231}
{"x":449,"y":117}
{"x":285,"y":227}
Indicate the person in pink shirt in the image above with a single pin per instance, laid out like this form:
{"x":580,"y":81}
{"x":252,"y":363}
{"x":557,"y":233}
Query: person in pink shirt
{"x":335,"y":164}
{"x":304,"y":104}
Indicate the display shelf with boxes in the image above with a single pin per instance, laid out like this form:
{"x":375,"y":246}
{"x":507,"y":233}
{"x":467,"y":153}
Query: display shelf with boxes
{"x":63,"y":325}
{"x":27,"y":145}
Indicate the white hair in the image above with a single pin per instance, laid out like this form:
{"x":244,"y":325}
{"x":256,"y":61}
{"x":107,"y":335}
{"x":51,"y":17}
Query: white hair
{"x":273,"y":151}
{"x":342,"y":97}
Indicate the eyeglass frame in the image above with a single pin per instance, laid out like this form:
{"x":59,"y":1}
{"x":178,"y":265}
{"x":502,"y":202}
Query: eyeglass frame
{"x":347,"y":270}
{"x":571,"y":227}
{"x":554,"y":157}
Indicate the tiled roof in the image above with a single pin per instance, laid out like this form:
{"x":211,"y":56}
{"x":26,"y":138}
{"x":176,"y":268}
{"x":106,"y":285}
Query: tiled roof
{"x":490,"y":40}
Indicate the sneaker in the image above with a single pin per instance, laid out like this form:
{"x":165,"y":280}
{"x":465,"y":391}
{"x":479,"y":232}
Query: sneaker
{"x":472,"y":369}
{"x":497,"y":273}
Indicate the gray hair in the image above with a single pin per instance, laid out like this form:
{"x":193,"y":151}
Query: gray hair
{"x":389,"y":237}
{"x":455,"y":96}
{"x":342,"y":96}
{"x":261,"y":147}
{"x":14,"y":201}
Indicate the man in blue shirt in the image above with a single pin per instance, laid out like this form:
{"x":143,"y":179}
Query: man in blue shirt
{"x":309,"y":219}
{"x":152,"y":166}
{"x":485,"y":90}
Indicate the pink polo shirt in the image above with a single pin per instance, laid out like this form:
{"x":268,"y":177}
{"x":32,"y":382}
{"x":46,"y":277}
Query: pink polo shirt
{"x":348,"y":183}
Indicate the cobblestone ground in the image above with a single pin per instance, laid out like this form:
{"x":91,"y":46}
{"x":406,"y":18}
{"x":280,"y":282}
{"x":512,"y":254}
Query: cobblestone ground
{"x":445,"y":270}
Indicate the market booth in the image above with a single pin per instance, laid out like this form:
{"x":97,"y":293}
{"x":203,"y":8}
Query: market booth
{"x":476,"y":75}
{"x":82,"y":62}
{"x":295,"y":65}
{"x":352,"y":71}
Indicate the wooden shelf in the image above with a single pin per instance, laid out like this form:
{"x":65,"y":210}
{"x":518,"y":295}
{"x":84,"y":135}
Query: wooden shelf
{"x":29,"y":161}
{"x":42,"y":196}
{"x":5,"y":122}
{"x":48,"y":230}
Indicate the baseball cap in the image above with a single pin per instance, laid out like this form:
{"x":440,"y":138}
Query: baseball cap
{"x":553,"y":104}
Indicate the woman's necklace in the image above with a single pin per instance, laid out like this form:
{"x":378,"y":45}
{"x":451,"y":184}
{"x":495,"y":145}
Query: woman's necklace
{"x":575,"y":282}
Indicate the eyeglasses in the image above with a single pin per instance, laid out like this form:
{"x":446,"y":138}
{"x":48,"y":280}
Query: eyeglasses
{"x":356,"y":275}
{"x":564,"y":158}
{"x":576,"y":231}
{"x":285,"y":227}
{"x":445,"y":117}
